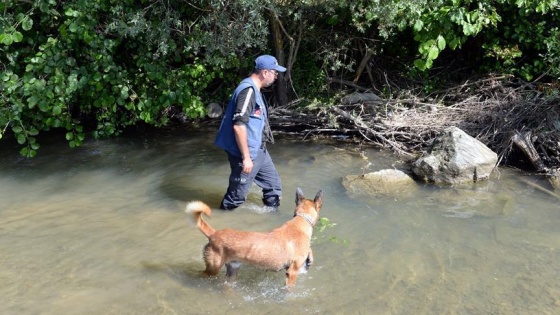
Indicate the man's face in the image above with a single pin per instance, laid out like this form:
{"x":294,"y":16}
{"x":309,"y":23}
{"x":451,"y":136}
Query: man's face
{"x":269,"y":77}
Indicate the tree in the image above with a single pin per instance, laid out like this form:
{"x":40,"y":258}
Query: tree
{"x":69,"y":63}
{"x":103,"y":65}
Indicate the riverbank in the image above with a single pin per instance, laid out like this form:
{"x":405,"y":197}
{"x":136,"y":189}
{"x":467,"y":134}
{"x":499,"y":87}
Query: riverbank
{"x":519,"y":121}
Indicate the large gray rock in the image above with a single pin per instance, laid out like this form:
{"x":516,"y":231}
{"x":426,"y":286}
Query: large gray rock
{"x":456,"y":157}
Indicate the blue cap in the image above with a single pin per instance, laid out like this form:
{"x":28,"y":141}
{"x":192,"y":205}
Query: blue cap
{"x":267,"y":62}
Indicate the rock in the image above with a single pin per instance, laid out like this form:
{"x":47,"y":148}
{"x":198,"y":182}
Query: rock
{"x":554,"y":178}
{"x":456,"y":157}
{"x":214,"y":110}
{"x":355,"y":98}
{"x":385,"y":182}
{"x":480,"y":200}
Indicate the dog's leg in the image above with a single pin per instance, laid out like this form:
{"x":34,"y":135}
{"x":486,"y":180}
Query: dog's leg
{"x":231,"y":269}
{"x":309,"y":260}
{"x":213,"y":261}
{"x":292,"y":273}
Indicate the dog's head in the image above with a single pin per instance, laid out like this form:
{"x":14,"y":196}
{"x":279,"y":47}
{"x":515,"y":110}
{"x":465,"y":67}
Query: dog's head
{"x":307,"y":207}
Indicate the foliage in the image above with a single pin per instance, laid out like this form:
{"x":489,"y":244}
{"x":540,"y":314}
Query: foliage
{"x":552,"y":57}
{"x":448,"y":24}
{"x":525,"y":44}
{"x":66,"y":63}
{"x":103,"y":65}
{"x":514,"y":34}
{"x":227,"y":29}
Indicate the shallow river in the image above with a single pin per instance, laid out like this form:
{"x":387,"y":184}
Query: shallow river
{"x":101,"y":229}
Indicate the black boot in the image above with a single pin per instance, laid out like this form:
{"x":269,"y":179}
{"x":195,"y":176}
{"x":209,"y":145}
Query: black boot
{"x":223,"y":207}
{"x":272,"y":202}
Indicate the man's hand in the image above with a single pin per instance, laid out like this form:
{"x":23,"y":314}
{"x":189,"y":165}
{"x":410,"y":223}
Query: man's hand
{"x":247,"y":165}
{"x":240,"y":131}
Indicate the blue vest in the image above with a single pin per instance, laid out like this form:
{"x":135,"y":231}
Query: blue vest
{"x":257,"y":120}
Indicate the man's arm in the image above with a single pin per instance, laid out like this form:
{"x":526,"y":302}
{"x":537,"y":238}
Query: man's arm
{"x":245,"y":101}
{"x":240,"y":131}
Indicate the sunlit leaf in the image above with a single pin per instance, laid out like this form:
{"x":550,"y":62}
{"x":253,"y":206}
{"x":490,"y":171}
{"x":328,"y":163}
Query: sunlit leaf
{"x":433,"y":53}
{"x":441,"y":43}
{"x":27,"y":23}
{"x":17,"y":37}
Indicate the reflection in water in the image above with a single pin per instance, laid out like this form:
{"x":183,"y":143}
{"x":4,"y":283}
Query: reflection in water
{"x":101,"y":230}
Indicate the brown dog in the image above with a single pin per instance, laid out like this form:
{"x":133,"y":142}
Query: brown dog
{"x":286,"y":247}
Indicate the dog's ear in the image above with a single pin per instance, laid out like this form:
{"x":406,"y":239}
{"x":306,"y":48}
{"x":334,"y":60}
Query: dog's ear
{"x":299,"y":196}
{"x":318,"y":200}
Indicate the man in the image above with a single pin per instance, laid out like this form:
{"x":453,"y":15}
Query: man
{"x":244,"y":133}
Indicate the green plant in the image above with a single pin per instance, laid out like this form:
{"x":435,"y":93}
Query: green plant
{"x":323,"y":224}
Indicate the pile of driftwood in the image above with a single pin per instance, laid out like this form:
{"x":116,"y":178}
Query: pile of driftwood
{"x":517,"y":120}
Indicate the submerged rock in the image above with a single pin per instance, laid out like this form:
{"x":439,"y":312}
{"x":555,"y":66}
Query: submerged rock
{"x":456,"y":157}
{"x":385,"y":182}
{"x":554,"y":178}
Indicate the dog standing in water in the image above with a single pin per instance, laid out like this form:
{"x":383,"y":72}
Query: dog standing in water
{"x":286,"y":247}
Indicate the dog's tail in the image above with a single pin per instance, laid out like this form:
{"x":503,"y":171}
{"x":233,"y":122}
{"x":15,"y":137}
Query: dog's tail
{"x":196,"y":208}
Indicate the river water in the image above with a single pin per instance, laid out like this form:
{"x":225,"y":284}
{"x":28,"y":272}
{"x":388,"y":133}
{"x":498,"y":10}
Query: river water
{"x":101,"y":229}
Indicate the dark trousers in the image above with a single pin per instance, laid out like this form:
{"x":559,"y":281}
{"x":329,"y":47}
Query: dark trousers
{"x":264,"y":174}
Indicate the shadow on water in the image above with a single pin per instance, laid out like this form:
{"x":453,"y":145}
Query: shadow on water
{"x":253,"y":285}
{"x":187,"y":275}
{"x":100,"y":229}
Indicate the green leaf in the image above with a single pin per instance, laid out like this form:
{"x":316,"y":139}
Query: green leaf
{"x":454,"y":43}
{"x":31,"y":101}
{"x":73,"y":27}
{"x":6,"y":39}
{"x":21,"y":138}
{"x":27,"y":23}
{"x":17,"y":37}
{"x":71,"y":12}
{"x":57,"y":110}
{"x":43,"y":106}
{"x":418,"y":25}
{"x":433,"y":53}
{"x":69,"y":136}
{"x":441,"y":43}
{"x":429,"y":63}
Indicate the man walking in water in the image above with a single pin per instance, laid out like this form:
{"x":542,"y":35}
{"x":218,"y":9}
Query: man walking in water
{"x":244,"y":133}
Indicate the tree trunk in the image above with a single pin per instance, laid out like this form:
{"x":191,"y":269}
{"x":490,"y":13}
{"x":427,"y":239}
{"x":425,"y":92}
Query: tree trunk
{"x":281,"y":86}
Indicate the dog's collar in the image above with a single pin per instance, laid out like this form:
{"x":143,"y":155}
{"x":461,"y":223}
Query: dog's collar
{"x":306,"y":217}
